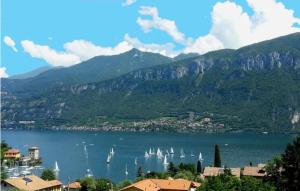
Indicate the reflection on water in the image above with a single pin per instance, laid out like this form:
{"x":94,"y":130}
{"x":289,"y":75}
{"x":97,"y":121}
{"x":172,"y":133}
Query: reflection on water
{"x":85,"y":153}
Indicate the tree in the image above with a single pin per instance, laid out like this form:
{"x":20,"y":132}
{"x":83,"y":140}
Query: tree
{"x":273,"y":170}
{"x":4,"y":147}
{"x":250,"y":184}
{"x":124,"y":184}
{"x":172,"y":170}
{"x":103,"y":184}
{"x":217,"y":161}
{"x":48,"y":174}
{"x":199,"y":167}
{"x":139,"y":172}
{"x":291,"y":166}
{"x":88,"y":184}
{"x":188,"y":175}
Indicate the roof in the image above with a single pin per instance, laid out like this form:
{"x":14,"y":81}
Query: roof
{"x":256,"y":171}
{"x":31,"y":183}
{"x":216,"y":171}
{"x":12,"y":151}
{"x":74,"y":185}
{"x":161,"y":184}
{"x":33,"y":148}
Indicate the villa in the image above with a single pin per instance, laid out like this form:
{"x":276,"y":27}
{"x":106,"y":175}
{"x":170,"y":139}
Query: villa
{"x":31,"y":183}
{"x":255,"y":171}
{"x":216,"y":171}
{"x":73,"y":186}
{"x":162,"y":185}
{"x":12,"y":154}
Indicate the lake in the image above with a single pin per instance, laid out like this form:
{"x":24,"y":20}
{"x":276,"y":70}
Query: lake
{"x":77,"y":151}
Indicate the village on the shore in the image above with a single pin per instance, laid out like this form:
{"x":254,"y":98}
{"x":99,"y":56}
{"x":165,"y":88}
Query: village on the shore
{"x":28,"y":179}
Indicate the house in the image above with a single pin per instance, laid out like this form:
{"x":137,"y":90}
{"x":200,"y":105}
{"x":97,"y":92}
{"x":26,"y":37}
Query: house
{"x":162,"y":185}
{"x":12,"y":154}
{"x":34,"y":153}
{"x":30,"y":183}
{"x":25,"y":161}
{"x":255,"y":171}
{"x":216,"y":171}
{"x":73,"y":186}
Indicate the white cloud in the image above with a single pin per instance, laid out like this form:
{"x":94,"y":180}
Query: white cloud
{"x":3,"y":73}
{"x":159,"y":23}
{"x":232,"y":27}
{"x":128,"y":2}
{"x":86,"y":50}
{"x":10,"y":42}
{"x":163,"y":49}
{"x":51,"y":56}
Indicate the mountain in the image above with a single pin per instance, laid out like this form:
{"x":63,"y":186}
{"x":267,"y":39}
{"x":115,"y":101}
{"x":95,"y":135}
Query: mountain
{"x":32,"y":73}
{"x":252,"y":88}
{"x":96,"y":69}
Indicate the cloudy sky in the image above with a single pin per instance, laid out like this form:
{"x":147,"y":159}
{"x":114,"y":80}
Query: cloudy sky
{"x":64,"y":33}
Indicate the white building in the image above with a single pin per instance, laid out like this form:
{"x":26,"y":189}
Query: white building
{"x":34,"y":153}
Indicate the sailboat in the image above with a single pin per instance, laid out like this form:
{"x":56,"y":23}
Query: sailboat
{"x":150,"y":151}
{"x":146,"y":154}
{"x":108,"y":159}
{"x":165,"y":160}
{"x":126,"y":171}
{"x":112,"y":152}
{"x":89,"y":173}
{"x":200,"y":157}
{"x":182,"y":155}
{"x":56,"y":169}
{"x":135,"y":161}
{"x":171,"y":151}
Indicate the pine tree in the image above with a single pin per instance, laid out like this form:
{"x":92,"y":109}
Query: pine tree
{"x":199,"y":167}
{"x":139,"y":172}
{"x":217,"y":162}
{"x":291,"y":166}
{"x":172,"y":170}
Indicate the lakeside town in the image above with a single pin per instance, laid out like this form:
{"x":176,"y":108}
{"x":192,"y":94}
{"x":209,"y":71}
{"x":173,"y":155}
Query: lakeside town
{"x":184,"y":177}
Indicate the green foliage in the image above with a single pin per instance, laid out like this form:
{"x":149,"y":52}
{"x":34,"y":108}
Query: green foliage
{"x":217,"y":159}
{"x":123,"y":184}
{"x":273,"y":170}
{"x":187,"y":167}
{"x":88,"y":184}
{"x":48,"y":174}
{"x":103,"y":184}
{"x":139,"y":172}
{"x":172,"y":169}
{"x":4,"y":147}
{"x":291,"y":166}
{"x":254,"y":184}
{"x":199,"y":167}
{"x":221,"y":183}
{"x":185,"y":175}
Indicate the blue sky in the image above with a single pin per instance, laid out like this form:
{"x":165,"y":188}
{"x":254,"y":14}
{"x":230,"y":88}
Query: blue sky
{"x":64,"y":33}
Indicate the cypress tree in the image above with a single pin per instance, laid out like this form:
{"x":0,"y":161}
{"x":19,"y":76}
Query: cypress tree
{"x":217,"y":161}
{"x":139,"y":172}
{"x":199,"y":167}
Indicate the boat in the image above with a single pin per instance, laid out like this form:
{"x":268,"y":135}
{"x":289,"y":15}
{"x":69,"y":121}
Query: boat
{"x":89,"y":173}
{"x":200,"y":157}
{"x":126,"y":171}
{"x":146,"y":154}
{"x":165,"y":160}
{"x":112,"y":152}
{"x":150,"y":151}
{"x":56,"y":169}
{"x":135,"y":161}
{"x":182,"y":155}
{"x":25,"y":173}
{"x":192,"y":154}
{"x":108,"y":159}
{"x":171,"y":151}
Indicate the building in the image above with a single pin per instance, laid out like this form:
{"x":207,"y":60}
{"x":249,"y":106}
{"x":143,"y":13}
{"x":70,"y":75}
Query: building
{"x":255,"y":171}
{"x":12,"y":154}
{"x":34,"y":153}
{"x":25,"y":161}
{"x":216,"y":171}
{"x":30,"y":183}
{"x":74,"y":186}
{"x":162,"y":185}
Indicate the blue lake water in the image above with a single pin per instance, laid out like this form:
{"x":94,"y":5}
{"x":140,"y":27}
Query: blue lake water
{"x":67,"y":148}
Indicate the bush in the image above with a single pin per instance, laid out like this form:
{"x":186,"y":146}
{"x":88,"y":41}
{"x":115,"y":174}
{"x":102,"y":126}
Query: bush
{"x":48,"y":174}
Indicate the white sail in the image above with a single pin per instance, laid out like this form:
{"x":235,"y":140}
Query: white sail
{"x":171,"y":151}
{"x":112,"y":152}
{"x":135,"y":161}
{"x":182,"y":155}
{"x":126,"y":171}
{"x":165,"y":160}
{"x":89,"y":173}
{"x":56,"y":167}
{"x":158,"y":152}
{"x":146,"y":154}
{"x":108,"y":158}
{"x":200,"y":157}
{"x":150,"y":151}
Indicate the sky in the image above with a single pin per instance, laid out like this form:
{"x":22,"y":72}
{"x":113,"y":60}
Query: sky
{"x":54,"y":33}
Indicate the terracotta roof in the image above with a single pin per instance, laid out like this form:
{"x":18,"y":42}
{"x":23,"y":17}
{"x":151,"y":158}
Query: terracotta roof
{"x":74,"y":185}
{"x":161,"y":184}
{"x":31,"y":183}
{"x":256,"y":171}
{"x":216,"y":171}
{"x":12,"y":151}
